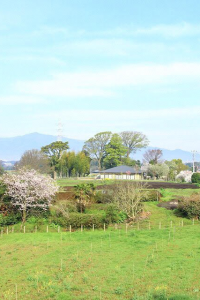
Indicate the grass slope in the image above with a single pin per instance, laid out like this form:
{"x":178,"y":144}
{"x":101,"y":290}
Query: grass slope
{"x":144,"y":264}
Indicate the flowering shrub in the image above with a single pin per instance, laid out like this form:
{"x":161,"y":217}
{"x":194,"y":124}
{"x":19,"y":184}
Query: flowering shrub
{"x":184,"y":176}
{"x":28,"y":189}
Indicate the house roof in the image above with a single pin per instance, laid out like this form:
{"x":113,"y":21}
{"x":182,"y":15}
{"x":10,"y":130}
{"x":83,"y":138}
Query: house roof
{"x":122,"y":169}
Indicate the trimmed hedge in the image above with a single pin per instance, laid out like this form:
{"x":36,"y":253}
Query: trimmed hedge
{"x":78,"y":219}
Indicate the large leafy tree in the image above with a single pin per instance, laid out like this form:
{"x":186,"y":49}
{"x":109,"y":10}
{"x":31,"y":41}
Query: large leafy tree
{"x":54,"y":151}
{"x":115,"y":150}
{"x":95,"y":147}
{"x":133,"y":141}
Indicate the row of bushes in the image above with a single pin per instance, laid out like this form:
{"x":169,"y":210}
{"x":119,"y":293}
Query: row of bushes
{"x":105,"y":196}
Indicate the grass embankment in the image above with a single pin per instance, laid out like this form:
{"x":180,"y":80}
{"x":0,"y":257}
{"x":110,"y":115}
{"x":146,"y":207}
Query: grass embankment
{"x":156,"y":264}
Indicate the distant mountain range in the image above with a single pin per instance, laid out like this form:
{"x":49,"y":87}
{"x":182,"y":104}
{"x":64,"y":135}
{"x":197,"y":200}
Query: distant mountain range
{"x":12,"y":148}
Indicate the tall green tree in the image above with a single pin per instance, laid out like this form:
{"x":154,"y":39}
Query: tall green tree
{"x":114,"y":152}
{"x":133,"y":141}
{"x":54,"y":151}
{"x":74,"y":164}
{"x":96,"y":146}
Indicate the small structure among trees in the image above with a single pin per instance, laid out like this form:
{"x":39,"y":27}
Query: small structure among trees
{"x":122,"y":172}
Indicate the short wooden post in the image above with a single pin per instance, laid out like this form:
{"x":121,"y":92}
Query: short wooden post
{"x":1,"y":232}
{"x":70,"y":228}
{"x":126,"y":228}
{"x":93,"y":227}
{"x":81,"y":228}
{"x":104,"y":227}
{"x":16,"y":297}
{"x":149,"y":225}
{"x":12,"y":229}
{"x":61,"y":264}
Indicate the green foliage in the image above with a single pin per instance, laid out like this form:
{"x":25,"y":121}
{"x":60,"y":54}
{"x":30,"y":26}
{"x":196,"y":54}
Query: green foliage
{"x":95,"y":147}
{"x":77,"y":219}
{"x":152,"y":195}
{"x":115,"y":150}
{"x":10,"y":219}
{"x":112,"y":214}
{"x":190,"y":207}
{"x":74,"y":165}
{"x":84,"y":194}
{"x":54,"y":151}
{"x":196,"y":178}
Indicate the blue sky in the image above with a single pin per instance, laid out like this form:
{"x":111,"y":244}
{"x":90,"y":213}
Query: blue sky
{"x":101,"y":65}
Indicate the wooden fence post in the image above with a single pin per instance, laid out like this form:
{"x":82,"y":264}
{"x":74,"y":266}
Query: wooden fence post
{"x":126,"y":228}
{"x":104,"y":227}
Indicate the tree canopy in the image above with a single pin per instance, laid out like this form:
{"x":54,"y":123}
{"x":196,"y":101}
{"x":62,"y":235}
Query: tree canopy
{"x":133,"y":141}
{"x":96,"y":146}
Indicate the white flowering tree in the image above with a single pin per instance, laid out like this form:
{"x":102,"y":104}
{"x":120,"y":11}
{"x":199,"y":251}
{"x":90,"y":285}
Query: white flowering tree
{"x":29,"y":189}
{"x":184,"y":176}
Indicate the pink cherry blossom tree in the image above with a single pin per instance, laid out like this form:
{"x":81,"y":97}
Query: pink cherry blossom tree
{"x":29,"y":189}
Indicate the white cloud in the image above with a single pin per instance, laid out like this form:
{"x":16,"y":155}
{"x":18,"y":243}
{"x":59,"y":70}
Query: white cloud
{"x":102,"y":83}
{"x":7,"y":100}
{"x":167,"y":30}
{"x":171,"y":30}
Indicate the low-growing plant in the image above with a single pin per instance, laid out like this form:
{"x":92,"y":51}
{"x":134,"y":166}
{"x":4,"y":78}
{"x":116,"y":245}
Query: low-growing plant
{"x":190,"y":206}
{"x":77,"y":219}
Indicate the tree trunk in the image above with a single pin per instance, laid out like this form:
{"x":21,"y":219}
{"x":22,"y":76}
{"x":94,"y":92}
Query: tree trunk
{"x":23,"y":216}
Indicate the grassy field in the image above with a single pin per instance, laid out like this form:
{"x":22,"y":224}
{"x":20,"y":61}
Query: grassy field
{"x":157,"y":259}
{"x":142,"y":264}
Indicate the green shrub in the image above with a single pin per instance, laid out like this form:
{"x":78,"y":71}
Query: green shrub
{"x":196,"y":178}
{"x":153,"y":195}
{"x":112,"y":214}
{"x":77,"y":219}
{"x":190,"y":207}
{"x":10,"y":219}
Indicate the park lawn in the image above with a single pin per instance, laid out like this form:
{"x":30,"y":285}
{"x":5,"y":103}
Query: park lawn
{"x":139,"y":264}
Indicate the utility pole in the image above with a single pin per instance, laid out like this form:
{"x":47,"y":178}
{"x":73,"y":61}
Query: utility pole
{"x":194,"y":152}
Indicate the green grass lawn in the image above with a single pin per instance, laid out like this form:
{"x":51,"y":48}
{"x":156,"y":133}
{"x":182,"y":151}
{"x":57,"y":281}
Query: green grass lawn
{"x":157,"y":260}
{"x":142,"y":264}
